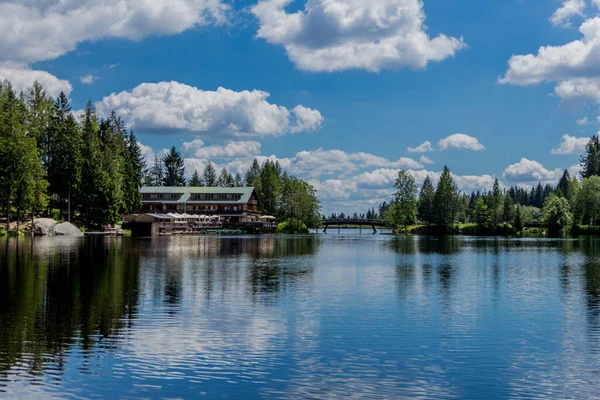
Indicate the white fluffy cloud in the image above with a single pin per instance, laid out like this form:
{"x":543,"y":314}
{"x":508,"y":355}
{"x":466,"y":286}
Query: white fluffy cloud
{"x":571,"y":145}
{"x":43,"y":30}
{"x":460,"y":141}
{"x":335,"y":35}
{"x":39,"y":30}
{"x":565,"y":13}
{"x":171,"y":107}
{"x":526,"y":171}
{"x":22,"y":78}
{"x":422,"y":148}
{"x":243,"y":148}
{"x":582,"y":121}
{"x":573,"y":66}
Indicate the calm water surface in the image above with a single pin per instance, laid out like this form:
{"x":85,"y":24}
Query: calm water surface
{"x":299,"y":317}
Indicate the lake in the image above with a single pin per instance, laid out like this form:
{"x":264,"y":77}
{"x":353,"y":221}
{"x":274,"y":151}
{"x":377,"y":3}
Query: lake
{"x":318,"y":316}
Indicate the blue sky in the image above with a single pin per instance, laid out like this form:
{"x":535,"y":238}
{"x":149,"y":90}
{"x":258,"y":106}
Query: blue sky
{"x":352,"y":84}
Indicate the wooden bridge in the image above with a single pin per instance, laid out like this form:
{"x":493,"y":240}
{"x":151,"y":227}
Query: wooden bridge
{"x":353,"y":222}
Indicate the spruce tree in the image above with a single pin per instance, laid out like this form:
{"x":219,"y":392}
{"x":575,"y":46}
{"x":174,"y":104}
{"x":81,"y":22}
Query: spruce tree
{"x":444,"y":199}
{"x":238,"y":180}
{"x":270,"y":187}
{"x":225,"y":179}
{"x":426,"y":199}
{"x":508,"y":209}
{"x":195,"y":180}
{"x":590,"y":160}
{"x":134,"y":174}
{"x":92,"y":169}
{"x":39,"y":116}
{"x":156,"y":173}
{"x":518,"y":225}
{"x":65,"y":154}
{"x":495,"y":203}
{"x":174,"y":169}
{"x":209,"y":175}
{"x":253,"y":174}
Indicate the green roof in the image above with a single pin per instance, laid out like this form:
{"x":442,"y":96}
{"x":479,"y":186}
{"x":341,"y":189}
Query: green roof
{"x":186,"y":193}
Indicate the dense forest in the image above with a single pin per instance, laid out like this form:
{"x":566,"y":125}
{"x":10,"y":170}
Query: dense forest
{"x":53,"y":164}
{"x":90,"y":170}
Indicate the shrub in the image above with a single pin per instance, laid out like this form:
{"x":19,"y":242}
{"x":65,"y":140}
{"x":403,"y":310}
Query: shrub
{"x":292,"y":226}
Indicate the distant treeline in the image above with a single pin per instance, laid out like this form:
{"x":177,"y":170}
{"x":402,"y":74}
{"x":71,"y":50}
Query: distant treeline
{"x":564,"y":207}
{"x":91,"y":168}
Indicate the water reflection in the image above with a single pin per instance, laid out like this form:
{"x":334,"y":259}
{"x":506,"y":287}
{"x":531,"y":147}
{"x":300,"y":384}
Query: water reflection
{"x":57,"y":293}
{"x":287,"y":317}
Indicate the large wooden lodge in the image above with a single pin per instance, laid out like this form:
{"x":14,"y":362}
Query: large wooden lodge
{"x":168,"y":210}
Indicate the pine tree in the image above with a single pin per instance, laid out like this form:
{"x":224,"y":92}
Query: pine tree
{"x":238,"y":180}
{"x":93,"y":168}
{"x":134,"y":174}
{"x":270,"y":187}
{"x":444,"y":199}
{"x":65,"y":154}
{"x":508,"y":209}
{"x":426,"y":200}
{"x":39,"y":116}
{"x":174,"y":169}
{"x":253,"y":174}
{"x":590,"y":160}
{"x":225,"y":179}
{"x":495,"y":203}
{"x":209,"y":175}
{"x":481,"y":214}
{"x":195,"y":181}
{"x":518,"y":220}
{"x":113,"y":138}
{"x":156,"y":174}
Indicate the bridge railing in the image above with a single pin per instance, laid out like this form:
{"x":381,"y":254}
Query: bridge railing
{"x":353,"y":221}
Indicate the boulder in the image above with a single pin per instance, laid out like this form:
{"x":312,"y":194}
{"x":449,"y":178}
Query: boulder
{"x":66,"y":229}
{"x":43,"y":226}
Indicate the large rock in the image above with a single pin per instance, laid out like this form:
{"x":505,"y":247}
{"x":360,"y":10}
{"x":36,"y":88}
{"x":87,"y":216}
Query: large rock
{"x":66,"y":229}
{"x":43,"y":226}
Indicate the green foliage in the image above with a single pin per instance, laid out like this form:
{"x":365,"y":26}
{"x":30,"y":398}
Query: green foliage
{"x":445,"y":200}
{"x":508,"y":209}
{"x":195,"y":180}
{"x":269,"y":190}
{"x":481,"y":214}
{"x":590,"y":160}
{"x":531,"y":214}
{"x":225,"y":179}
{"x":495,"y":203}
{"x":252,"y":174}
{"x":239,"y":182}
{"x":174,"y":169}
{"x":156,"y":173}
{"x":292,"y":226}
{"x":557,"y":215}
{"x":299,"y":202}
{"x":425,"y":207}
{"x":403,"y":210}
{"x":209,"y":175}
{"x":518,"y":225}
{"x":133,"y":174}
{"x":587,"y":202}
